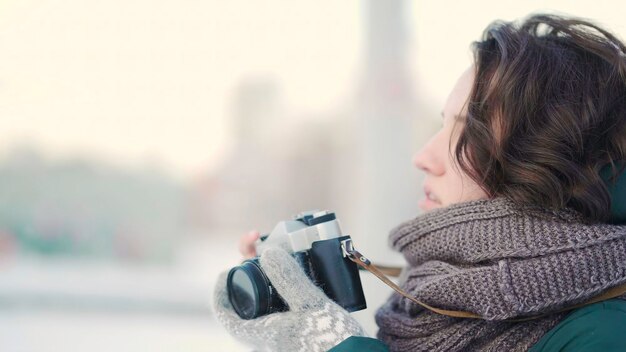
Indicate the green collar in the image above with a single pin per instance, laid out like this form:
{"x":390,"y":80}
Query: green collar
{"x":618,"y":194}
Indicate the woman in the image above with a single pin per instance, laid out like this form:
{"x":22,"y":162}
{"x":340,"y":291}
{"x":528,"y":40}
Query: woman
{"x":522,"y":209}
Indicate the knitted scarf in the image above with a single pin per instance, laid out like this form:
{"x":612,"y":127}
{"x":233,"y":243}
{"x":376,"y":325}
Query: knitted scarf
{"x":499,"y":260}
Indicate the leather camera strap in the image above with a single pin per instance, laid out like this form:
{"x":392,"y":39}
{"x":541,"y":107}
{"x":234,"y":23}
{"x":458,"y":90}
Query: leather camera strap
{"x":366,"y":264}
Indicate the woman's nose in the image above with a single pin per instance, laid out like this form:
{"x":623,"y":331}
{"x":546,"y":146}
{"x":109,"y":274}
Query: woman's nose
{"x":419,"y":160}
{"x":428,"y":160}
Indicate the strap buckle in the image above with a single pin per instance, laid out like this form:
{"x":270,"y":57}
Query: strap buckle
{"x":348,"y":250}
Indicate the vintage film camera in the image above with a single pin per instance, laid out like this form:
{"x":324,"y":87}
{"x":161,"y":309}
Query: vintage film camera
{"x":315,"y":240}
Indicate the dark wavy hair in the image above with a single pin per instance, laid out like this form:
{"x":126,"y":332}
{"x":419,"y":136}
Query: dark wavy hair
{"x":546,"y":113}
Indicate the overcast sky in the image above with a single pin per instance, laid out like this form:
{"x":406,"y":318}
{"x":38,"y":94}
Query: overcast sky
{"x":136,"y":81}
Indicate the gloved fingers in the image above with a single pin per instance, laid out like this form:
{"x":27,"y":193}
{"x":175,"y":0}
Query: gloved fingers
{"x":290,"y":281}
{"x":247,"y":330}
{"x":221,"y":304}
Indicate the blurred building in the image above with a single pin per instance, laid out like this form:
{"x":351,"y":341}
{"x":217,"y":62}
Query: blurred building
{"x":356,"y":161}
{"x":276,"y":167}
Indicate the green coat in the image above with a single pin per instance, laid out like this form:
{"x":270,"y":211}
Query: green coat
{"x":597,"y":327}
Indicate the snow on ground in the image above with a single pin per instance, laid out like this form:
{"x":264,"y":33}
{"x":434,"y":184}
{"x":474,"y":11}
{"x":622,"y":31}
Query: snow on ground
{"x":34,"y":331}
{"x":71,"y":305}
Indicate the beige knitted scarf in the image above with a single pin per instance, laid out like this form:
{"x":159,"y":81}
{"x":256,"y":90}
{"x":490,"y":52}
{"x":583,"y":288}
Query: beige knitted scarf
{"x":498,"y":260}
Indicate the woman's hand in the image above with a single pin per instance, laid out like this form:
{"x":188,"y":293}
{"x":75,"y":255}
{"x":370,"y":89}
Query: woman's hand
{"x":313,"y":323}
{"x":246,"y":244}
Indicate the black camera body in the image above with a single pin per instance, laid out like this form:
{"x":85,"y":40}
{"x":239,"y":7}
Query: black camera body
{"x":317,"y":243}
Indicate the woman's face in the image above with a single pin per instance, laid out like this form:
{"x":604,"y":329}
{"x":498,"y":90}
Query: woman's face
{"x":445,"y":183}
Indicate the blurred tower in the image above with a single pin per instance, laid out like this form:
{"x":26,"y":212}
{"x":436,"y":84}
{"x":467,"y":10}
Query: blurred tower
{"x":388,"y":191}
{"x":375,"y":178}
{"x":238,"y":193}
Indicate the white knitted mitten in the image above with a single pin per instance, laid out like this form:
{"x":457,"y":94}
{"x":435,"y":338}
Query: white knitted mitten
{"x":313,"y":322}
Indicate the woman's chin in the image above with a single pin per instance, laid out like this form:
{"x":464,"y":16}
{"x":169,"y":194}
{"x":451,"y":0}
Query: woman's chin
{"x":427,"y":204}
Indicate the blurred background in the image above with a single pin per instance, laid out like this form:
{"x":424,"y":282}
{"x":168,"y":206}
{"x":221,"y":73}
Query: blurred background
{"x":140,"y":139}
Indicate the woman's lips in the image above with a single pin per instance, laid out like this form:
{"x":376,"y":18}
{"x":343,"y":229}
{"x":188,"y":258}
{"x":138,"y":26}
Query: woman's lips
{"x":430,"y":201}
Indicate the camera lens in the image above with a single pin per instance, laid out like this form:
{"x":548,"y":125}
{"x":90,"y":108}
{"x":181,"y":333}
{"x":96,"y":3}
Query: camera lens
{"x":243,"y":294}
{"x":250,"y":292}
